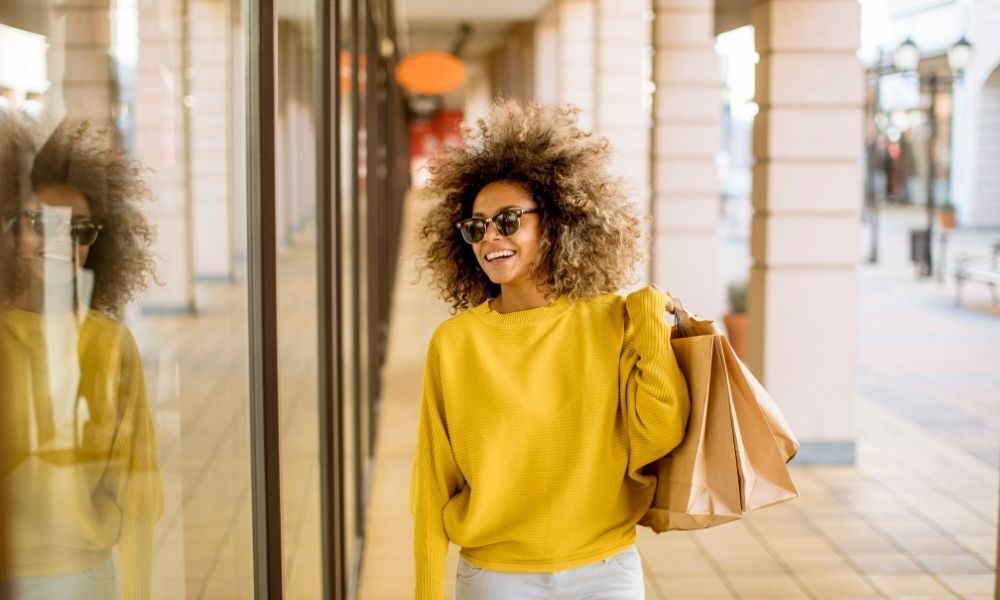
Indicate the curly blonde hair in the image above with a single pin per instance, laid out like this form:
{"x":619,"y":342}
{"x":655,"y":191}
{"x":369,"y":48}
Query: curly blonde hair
{"x":81,"y":155}
{"x":591,"y":235}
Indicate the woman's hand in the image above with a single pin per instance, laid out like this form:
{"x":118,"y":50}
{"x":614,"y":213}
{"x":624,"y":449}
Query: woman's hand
{"x":670,"y":299}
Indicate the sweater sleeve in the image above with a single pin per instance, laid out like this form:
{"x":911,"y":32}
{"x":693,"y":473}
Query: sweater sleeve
{"x":654,"y":397}
{"x":134,"y":476}
{"x":435,"y":479}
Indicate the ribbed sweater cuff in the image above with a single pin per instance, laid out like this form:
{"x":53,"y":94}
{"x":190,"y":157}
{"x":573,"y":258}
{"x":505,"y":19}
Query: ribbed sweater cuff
{"x":430,"y":556}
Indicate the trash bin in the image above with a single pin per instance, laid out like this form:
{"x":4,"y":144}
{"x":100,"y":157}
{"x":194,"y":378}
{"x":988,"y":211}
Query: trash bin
{"x":920,"y":240}
{"x":920,"y":251}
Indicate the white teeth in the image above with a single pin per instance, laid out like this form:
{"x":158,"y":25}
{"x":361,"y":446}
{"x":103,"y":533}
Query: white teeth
{"x":499,"y":254}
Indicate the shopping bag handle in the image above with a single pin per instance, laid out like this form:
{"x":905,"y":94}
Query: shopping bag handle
{"x":682,"y":318}
{"x":676,"y":308}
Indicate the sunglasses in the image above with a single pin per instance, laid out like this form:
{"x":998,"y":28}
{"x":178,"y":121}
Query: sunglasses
{"x":47,"y":225}
{"x":507,"y":221}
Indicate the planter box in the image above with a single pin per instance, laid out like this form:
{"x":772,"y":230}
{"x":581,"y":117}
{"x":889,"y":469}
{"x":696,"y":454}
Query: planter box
{"x":946,"y":219}
{"x":737,"y":325}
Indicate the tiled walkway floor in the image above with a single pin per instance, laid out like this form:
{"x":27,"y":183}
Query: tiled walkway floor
{"x":196,"y":371}
{"x":916,"y":517}
{"x":921,"y":356}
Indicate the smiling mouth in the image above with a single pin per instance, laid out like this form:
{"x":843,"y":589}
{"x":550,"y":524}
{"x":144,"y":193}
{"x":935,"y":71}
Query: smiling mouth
{"x":499,"y":255}
{"x":56,"y":257}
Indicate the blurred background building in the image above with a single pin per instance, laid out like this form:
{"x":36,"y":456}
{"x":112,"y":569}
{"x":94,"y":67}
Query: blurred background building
{"x":966,"y":129}
{"x":782,"y":148}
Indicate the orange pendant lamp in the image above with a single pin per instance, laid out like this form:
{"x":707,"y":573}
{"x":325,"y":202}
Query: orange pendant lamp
{"x":430,"y":73}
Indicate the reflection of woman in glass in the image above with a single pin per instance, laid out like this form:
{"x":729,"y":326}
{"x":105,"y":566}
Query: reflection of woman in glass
{"x":80,"y":468}
{"x":543,"y":401}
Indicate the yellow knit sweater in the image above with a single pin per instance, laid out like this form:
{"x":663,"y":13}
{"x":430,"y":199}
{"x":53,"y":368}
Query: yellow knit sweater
{"x":79,"y":465}
{"x":534,"y":428}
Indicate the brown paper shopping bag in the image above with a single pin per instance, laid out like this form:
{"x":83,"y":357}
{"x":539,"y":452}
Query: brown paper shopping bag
{"x":766,"y":443}
{"x":734,"y":453}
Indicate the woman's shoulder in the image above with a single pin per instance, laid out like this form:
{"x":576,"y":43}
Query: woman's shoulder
{"x":612,"y":299}
{"x":611,"y":302}
{"x":456,"y":325}
{"x":603,"y":314}
{"x":104,"y":333}
{"x":103,"y":324}
{"x":624,"y":308}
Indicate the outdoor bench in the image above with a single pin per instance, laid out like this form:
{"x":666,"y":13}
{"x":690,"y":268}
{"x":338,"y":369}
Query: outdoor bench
{"x":966,"y":269}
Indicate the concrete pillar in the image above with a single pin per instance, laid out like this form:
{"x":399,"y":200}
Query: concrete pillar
{"x":293,"y":130}
{"x":686,"y":108}
{"x":283,"y":181}
{"x":975,"y":167}
{"x":513,"y":63}
{"x":546,"y":69}
{"x":210,"y":99}
{"x":237,"y":116}
{"x":576,"y":57}
{"x":622,"y":111}
{"x":161,"y":144}
{"x":79,"y":34}
{"x":305,"y":130}
{"x":984,"y":208}
{"x":807,"y":187}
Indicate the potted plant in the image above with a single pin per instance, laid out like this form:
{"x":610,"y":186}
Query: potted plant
{"x":736,"y":319}
{"x":946,"y":215}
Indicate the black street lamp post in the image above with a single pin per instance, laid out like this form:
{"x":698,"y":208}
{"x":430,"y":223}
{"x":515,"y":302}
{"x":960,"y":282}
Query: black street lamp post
{"x":907,"y":60}
{"x":883,"y":66}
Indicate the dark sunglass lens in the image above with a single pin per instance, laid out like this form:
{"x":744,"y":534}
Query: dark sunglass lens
{"x":507,"y":222}
{"x":472,"y":231}
{"x":45,"y":226}
{"x":84,"y":234}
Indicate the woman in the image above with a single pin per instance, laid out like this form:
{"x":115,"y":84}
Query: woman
{"x":79,"y":466}
{"x":545,"y":398}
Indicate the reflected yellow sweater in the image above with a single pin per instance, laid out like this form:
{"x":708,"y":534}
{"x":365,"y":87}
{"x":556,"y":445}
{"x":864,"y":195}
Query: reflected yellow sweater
{"x":79,"y":469}
{"x":534,"y":427}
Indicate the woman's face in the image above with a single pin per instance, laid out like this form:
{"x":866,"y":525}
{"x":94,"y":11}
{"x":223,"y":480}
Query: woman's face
{"x":54,"y":257}
{"x":523,"y":243}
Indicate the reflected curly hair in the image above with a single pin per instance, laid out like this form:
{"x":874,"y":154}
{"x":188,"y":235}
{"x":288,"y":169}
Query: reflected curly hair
{"x":591,"y":235}
{"x":16,"y":152}
{"x":81,"y":155}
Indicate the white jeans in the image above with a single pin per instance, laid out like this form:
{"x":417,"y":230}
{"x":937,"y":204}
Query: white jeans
{"x":616,"y":578}
{"x":96,"y":583}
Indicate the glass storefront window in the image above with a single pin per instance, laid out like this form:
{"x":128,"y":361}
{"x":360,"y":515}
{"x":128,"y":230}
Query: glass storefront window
{"x":298,"y":311}
{"x":140,"y":385}
{"x":348,"y":150}
{"x":123,"y":310}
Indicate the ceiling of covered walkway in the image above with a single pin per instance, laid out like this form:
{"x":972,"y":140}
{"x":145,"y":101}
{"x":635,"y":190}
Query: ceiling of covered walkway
{"x":436,"y":24}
